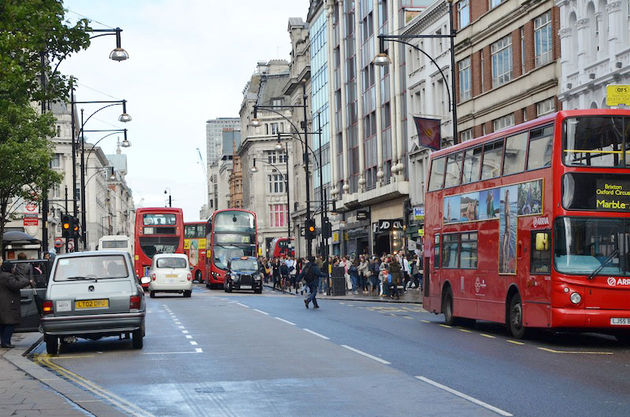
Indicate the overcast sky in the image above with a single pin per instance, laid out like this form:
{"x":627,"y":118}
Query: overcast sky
{"x":189,"y":61}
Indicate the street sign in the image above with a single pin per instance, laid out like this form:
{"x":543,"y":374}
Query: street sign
{"x":30,"y":207}
{"x":30,"y":220}
{"x":617,"y":94}
{"x":418,"y":213}
{"x":58,"y":242}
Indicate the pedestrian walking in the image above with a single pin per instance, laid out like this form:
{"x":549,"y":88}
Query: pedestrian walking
{"x":10,"y":285}
{"x":310,"y":274}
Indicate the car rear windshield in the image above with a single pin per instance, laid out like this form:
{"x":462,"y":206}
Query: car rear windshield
{"x":171,"y":263}
{"x":91,"y":267}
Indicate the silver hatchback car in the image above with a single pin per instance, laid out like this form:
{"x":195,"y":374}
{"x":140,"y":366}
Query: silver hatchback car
{"x":92,"y":295}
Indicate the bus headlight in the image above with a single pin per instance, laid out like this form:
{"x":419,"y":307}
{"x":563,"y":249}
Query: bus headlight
{"x":576,"y":298}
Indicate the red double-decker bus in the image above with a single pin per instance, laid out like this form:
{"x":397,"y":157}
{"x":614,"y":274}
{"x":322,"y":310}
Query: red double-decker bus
{"x":530,"y":226}
{"x":157,"y":230}
{"x":195,"y":248}
{"x":230,"y":233}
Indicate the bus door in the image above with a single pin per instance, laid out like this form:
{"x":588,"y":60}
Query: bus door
{"x":535,"y":247}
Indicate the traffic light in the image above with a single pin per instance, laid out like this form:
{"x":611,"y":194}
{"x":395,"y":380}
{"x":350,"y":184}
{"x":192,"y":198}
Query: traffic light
{"x":326,"y":229}
{"x":76,"y":230}
{"x":310,"y":231}
{"x":66,"y":226}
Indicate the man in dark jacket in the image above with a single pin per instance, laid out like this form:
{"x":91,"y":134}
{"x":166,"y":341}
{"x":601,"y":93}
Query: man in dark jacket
{"x":310,"y":274}
{"x":10,"y":286}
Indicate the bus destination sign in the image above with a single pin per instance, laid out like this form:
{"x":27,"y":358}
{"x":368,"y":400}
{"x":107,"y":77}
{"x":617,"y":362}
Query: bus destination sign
{"x":612,"y":194}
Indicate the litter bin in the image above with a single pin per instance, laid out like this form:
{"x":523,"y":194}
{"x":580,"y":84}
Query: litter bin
{"x":338,"y":281}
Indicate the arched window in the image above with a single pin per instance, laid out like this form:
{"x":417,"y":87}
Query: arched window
{"x":590,"y":38}
{"x":602,"y":29}
{"x":593,"y":105}
{"x":573,"y":41}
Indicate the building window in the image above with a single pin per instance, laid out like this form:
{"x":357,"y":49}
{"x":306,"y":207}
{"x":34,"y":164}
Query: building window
{"x":278,"y":215}
{"x":276,"y":157}
{"x":495,"y":3}
{"x":503,"y":122}
{"x":501,"y":61}
{"x":58,"y":131}
{"x":543,"y":39}
{"x":276,"y":128}
{"x":275,"y":183}
{"x":465,"y":135}
{"x":463,"y":13}
{"x":545,"y":106}
{"x":276,"y":102}
{"x":55,"y":162}
{"x":465,"y":83}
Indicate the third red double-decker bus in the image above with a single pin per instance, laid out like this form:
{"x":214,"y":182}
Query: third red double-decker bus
{"x":195,"y":248}
{"x":530,"y":226}
{"x":157,"y":230}
{"x":230,"y":233}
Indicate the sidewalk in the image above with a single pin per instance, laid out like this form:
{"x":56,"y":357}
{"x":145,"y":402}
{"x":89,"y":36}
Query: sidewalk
{"x":411,"y":296}
{"x":28,"y":389}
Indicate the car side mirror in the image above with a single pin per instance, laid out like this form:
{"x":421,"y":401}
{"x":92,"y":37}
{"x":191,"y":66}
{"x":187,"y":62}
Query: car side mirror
{"x":145,"y":280}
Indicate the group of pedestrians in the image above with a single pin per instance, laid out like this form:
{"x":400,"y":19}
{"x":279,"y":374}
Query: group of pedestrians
{"x":382,"y":276}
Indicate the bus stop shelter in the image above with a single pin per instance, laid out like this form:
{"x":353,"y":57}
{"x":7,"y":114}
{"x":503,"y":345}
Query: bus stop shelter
{"x":15,"y":242}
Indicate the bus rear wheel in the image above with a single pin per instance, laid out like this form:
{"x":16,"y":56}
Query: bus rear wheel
{"x":515,"y":318}
{"x":447,"y":307}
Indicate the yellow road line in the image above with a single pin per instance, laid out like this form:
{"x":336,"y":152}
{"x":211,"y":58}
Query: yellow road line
{"x":446,"y":325}
{"x":574,"y":352}
{"x":515,"y":342}
{"x":92,"y":387}
{"x":489,"y":336}
{"x":425,"y":321}
{"x":465,"y":330}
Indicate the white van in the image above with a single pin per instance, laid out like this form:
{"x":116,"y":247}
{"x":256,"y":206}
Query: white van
{"x":116,"y":243}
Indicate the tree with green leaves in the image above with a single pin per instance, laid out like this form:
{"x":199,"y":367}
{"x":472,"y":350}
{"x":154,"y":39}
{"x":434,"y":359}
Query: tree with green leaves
{"x":34,"y":39}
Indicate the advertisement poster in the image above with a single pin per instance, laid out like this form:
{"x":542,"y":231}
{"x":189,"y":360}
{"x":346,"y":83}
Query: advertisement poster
{"x":530,"y":198}
{"x":507,"y":229}
{"x":490,"y":204}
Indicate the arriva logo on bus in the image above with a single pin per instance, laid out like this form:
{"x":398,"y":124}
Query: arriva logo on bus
{"x":613,"y":282}
{"x":541,"y":221}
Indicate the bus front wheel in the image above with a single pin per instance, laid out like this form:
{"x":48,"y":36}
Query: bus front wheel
{"x":515,"y":318}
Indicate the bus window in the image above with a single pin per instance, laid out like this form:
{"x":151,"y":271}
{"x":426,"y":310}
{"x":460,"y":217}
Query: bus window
{"x":449,"y":250}
{"x":436,"y":252}
{"x":514,"y":158}
{"x":437,"y":174}
{"x":540,"y":262}
{"x":472,"y":165}
{"x":468,"y":251}
{"x":453,"y":170}
{"x":492,"y":154}
{"x":540,"y":147}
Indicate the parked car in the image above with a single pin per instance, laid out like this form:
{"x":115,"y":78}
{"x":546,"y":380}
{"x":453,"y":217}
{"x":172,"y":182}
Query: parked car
{"x":92,"y":295}
{"x":170,"y":272}
{"x":243,"y":274}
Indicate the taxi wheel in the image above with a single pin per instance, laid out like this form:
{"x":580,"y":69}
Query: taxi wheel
{"x":187,"y":294}
{"x":52,"y":344}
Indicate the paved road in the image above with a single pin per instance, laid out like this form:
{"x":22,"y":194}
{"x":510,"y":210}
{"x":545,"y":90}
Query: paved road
{"x":250,"y":355}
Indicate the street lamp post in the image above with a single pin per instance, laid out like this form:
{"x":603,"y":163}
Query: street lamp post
{"x":124,"y":117}
{"x":170,"y":201}
{"x":309,"y":241}
{"x":382,"y":59}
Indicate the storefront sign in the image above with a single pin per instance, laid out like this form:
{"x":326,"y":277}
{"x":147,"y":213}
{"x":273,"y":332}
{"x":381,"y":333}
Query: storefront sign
{"x":387,"y":225}
{"x":362,"y":215}
{"x":617,"y":94}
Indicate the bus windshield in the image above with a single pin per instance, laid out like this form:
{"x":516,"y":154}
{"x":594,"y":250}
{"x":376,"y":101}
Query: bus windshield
{"x":596,"y":141}
{"x":223,"y":253}
{"x":587,"y":245}
{"x":234,"y":221}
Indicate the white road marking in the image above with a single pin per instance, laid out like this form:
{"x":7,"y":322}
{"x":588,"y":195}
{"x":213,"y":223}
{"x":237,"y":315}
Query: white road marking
{"x":260,"y":311}
{"x":286,"y":321}
{"x":464,"y":396}
{"x":192,"y":342}
{"x":188,"y":336}
{"x":181,"y":327}
{"x":367,"y":355}
{"x":242,"y":305}
{"x":199,"y":350}
{"x":317,"y":334}
{"x":185,"y":331}
{"x":169,"y":353}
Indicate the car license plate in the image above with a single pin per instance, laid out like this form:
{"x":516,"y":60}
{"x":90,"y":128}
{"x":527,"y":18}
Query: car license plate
{"x":246,"y":287}
{"x":617,"y":321}
{"x":171,"y":275}
{"x":83,"y":304}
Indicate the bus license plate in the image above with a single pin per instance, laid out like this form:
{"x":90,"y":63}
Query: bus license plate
{"x":616,"y":321}
{"x":83,"y":304}
{"x":246,"y":287}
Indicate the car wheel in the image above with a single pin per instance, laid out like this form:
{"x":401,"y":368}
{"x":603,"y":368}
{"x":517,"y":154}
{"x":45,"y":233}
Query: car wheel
{"x":258,"y":291}
{"x":515,"y":318}
{"x":187,"y":293}
{"x":152,"y":294}
{"x":136,"y":339}
{"x":52,"y":344}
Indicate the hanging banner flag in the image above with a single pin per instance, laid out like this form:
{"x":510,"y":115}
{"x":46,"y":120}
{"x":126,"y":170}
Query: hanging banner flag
{"x":428,"y":132}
